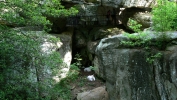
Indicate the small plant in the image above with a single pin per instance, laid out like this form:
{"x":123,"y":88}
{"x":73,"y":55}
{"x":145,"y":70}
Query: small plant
{"x":138,"y":40}
{"x":152,"y":58}
{"x":134,"y":25}
{"x":92,"y":68}
{"x":82,"y":81}
{"x":135,"y":40}
{"x":78,"y":60}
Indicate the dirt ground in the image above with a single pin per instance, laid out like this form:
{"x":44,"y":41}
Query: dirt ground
{"x":82,"y":84}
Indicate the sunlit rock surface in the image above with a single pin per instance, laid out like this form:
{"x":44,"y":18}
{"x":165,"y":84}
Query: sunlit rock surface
{"x":98,"y":93}
{"x":142,"y":16}
{"x":65,"y":50}
{"x":129,"y":76}
{"x":116,"y":3}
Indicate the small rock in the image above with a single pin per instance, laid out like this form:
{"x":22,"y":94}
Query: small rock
{"x":91,"y":78}
{"x":87,"y":69}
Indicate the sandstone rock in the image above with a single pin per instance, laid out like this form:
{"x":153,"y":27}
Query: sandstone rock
{"x":117,"y":3}
{"x":142,"y":16}
{"x":138,"y":3}
{"x":95,"y":94}
{"x":129,"y":76}
{"x":65,"y":50}
{"x":104,"y":32}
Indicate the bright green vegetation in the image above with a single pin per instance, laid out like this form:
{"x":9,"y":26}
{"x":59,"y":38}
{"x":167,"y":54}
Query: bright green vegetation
{"x":24,"y":68}
{"x":165,"y":16}
{"x":32,"y":12}
{"x":134,"y":25}
{"x":164,"y":19}
{"x":23,"y":65}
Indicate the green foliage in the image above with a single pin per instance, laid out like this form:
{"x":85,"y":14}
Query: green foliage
{"x":135,"y":40}
{"x":164,"y":16}
{"x":63,"y":87}
{"x":32,"y":12}
{"x":82,"y":81}
{"x":25,"y":69}
{"x":78,"y":60}
{"x":141,"y":40}
{"x":134,"y":25}
{"x":92,"y":68}
{"x":151,"y":58}
{"x":138,"y":40}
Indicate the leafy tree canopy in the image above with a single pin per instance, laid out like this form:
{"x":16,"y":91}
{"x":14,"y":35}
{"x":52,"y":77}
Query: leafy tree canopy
{"x":31,"y":12}
{"x":22,"y":62}
{"x":165,"y":16}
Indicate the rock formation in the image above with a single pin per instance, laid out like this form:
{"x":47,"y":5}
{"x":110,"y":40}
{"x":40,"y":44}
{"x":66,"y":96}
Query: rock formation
{"x":117,"y":3}
{"x":95,"y":94}
{"x":129,"y":76}
{"x":65,"y":50}
{"x":138,"y":10}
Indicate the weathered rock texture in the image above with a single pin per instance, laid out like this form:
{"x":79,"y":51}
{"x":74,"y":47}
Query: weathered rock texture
{"x":95,"y":13}
{"x":96,"y":94}
{"x":116,"y":3}
{"x":142,"y":16}
{"x":129,"y":76}
{"x":65,"y":50}
{"x":86,"y":40}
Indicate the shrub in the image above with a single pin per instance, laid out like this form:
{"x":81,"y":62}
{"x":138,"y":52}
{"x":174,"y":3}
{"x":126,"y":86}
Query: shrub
{"x":25,"y":71}
{"x":164,"y":16}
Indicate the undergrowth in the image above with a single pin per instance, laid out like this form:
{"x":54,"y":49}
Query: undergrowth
{"x":64,"y":85}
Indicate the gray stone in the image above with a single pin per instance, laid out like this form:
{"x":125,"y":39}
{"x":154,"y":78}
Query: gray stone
{"x":117,"y":3}
{"x":96,"y":94}
{"x":65,"y":50}
{"x":141,"y":15}
{"x":129,"y":76}
{"x":91,"y":46}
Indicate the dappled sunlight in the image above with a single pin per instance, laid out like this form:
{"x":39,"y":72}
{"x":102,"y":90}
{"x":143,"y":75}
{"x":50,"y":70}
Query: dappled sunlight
{"x":62,"y":74}
{"x":67,"y":58}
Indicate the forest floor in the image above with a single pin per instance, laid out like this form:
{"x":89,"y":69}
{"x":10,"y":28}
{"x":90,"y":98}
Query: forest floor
{"x":82,"y":84}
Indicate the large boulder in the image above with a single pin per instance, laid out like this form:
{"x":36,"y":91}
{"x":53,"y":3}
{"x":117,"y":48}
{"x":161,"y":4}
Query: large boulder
{"x":128,"y":74}
{"x":65,"y":50}
{"x":86,"y":40}
{"x":98,"y":93}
